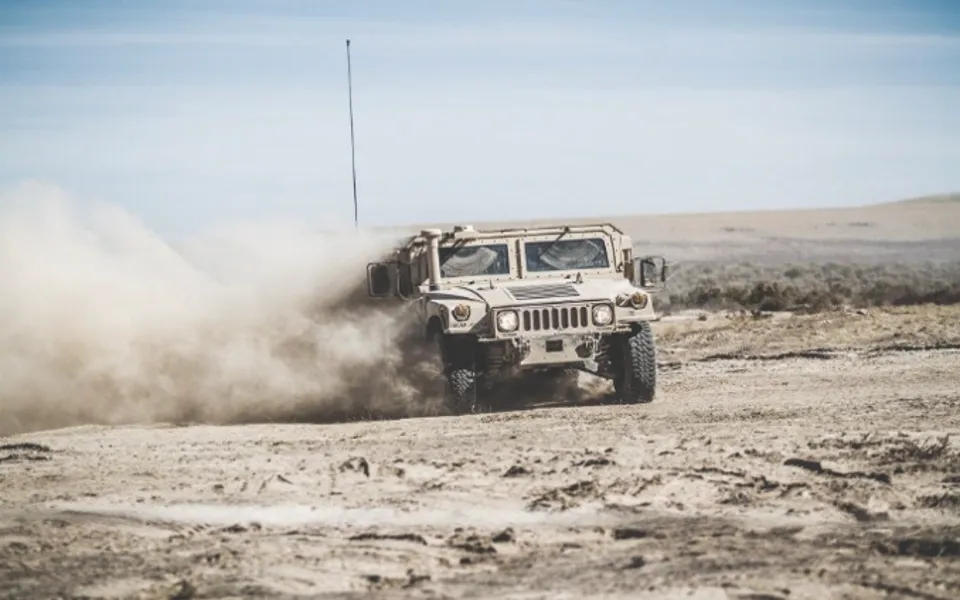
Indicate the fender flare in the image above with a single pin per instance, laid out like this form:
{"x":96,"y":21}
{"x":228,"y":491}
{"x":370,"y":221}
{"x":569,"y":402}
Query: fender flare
{"x":434,"y":328}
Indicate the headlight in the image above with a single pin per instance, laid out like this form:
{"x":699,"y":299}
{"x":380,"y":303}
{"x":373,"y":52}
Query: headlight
{"x":507,"y":320}
{"x":461,"y":312}
{"x":602,"y":315}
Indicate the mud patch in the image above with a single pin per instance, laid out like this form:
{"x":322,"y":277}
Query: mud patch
{"x":396,"y":537}
{"x":566,"y":497}
{"x":923,"y":547}
{"x":944,"y":501}
{"x":905,"y":453}
{"x":815,"y":467}
{"x":24,"y":452}
{"x":811,"y":354}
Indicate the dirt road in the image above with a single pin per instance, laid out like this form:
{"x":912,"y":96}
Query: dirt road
{"x":806,"y":457}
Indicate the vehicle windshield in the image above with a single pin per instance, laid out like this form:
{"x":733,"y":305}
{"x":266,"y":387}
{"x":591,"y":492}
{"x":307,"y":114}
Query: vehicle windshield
{"x":468,"y":261}
{"x":565,"y":255}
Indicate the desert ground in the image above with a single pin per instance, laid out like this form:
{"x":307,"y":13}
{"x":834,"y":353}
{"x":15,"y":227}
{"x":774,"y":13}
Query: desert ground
{"x":800,"y":446}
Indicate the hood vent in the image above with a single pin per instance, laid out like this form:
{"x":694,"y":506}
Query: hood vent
{"x":543,"y":292}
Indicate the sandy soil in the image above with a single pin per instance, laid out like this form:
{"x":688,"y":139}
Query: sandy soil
{"x":785,"y":457}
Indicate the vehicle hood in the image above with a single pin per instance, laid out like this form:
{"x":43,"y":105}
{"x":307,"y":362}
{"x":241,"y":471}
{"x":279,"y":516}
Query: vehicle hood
{"x":537,"y":292}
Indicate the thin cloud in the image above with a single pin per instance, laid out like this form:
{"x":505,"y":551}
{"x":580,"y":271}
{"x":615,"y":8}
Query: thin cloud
{"x":506,"y":36}
{"x":91,"y":39}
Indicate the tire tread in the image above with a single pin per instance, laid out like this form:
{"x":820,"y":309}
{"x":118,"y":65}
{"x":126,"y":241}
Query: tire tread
{"x":640,"y":365}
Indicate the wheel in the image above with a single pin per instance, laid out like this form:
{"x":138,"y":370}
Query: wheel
{"x":462,"y":393}
{"x":636,"y":378}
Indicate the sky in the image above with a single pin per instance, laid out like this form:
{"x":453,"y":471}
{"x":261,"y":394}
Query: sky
{"x":192,"y":112}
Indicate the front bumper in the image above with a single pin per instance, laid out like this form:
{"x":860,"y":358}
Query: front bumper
{"x":552,"y":350}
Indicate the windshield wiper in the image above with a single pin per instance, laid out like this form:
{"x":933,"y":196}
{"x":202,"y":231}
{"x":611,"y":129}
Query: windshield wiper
{"x":565,"y":231}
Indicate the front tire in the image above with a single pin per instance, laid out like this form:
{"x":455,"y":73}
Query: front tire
{"x":636,"y":377}
{"x":462,"y":394}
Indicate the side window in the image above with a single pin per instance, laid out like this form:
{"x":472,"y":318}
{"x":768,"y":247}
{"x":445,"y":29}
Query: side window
{"x":474,"y":260}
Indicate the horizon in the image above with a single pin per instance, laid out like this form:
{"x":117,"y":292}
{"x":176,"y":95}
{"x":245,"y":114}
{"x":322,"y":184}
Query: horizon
{"x":192,"y":113}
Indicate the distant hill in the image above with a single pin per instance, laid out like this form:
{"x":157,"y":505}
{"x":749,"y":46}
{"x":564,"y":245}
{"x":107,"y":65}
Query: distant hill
{"x":910,"y":229}
{"x":932,"y":198}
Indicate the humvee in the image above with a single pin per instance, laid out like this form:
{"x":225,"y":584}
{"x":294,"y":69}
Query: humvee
{"x":511,"y":302}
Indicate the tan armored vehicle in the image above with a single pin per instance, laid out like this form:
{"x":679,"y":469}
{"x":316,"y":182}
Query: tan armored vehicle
{"x":511,"y":302}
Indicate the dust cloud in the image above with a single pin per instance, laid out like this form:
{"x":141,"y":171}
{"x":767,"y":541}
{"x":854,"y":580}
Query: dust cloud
{"x":104,"y":322}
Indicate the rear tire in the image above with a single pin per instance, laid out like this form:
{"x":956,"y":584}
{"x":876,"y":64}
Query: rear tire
{"x":636,"y":377}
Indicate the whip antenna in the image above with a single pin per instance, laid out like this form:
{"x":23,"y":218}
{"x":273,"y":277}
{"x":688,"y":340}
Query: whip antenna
{"x":353,"y":152}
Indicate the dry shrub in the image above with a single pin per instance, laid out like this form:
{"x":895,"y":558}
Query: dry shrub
{"x":812,"y":287}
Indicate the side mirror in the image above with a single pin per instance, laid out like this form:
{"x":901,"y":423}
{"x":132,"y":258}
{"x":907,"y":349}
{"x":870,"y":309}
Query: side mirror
{"x":379,"y":280}
{"x":649,"y":272}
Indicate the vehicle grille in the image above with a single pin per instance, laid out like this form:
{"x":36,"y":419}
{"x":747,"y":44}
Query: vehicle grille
{"x":542,"y":292}
{"x":566,"y":317}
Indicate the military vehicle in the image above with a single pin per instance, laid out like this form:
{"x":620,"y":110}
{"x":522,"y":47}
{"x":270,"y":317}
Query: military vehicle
{"x":504,"y":303}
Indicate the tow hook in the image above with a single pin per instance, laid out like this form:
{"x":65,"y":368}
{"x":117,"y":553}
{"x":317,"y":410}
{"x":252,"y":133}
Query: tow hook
{"x":587,"y":348}
{"x":521,"y":349}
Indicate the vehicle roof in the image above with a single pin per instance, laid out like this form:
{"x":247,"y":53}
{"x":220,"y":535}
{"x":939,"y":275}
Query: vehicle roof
{"x":467,"y":232}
